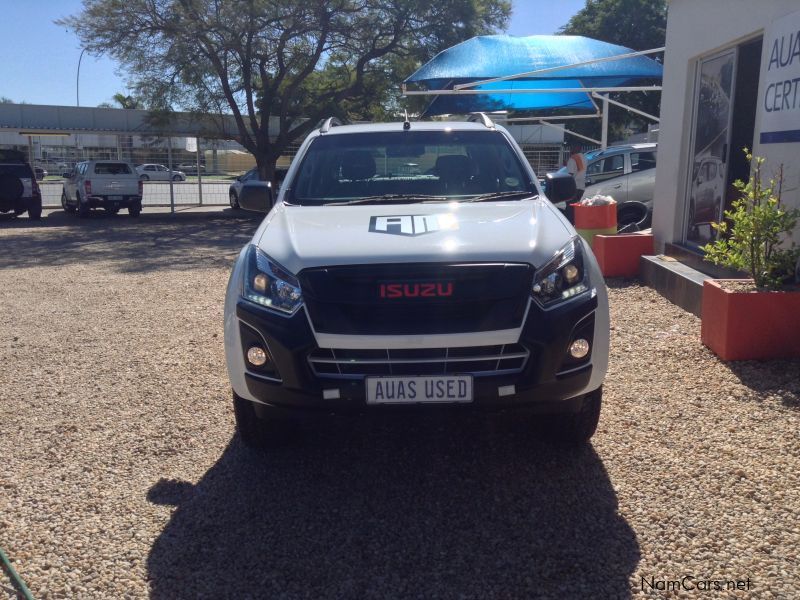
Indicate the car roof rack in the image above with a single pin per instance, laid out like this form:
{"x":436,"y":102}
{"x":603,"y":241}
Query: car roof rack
{"x":329,"y":122}
{"x":480,"y":117}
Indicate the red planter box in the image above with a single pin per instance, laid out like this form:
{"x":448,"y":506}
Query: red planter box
{"x":602,"y":216}
{"x":618,"y":255}
{"x":750,"y":325}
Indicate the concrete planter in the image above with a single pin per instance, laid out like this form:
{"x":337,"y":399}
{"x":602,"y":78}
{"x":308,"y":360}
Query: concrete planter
{"x":750,"y":325}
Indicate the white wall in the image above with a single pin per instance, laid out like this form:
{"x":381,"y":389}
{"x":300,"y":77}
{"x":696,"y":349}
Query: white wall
{"x":698,"y":28}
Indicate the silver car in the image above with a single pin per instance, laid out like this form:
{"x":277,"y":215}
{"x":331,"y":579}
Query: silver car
{"x":627,"y":174}
{"x":159,"y":173}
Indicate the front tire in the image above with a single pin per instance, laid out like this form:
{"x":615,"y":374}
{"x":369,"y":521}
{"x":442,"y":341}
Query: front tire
{"x":65,"y":205}
{"x":135,"y":210}
{"x":177,"y":178}
{"x":576,"y":429}
{"x":234,"y":200}
{"x":258,"y":431}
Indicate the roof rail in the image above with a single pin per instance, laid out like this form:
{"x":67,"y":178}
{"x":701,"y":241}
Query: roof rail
{"x":329,"y":122}
{"x":480,"y":117}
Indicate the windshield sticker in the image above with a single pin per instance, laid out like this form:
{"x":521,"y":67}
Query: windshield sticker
{"x":413,"y":225}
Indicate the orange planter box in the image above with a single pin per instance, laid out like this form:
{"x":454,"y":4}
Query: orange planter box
{"x":595,"y":217}
{"x":618,"y":255}
{"x":750,"y":325}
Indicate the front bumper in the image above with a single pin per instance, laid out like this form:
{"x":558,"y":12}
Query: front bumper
{"x":548,"y":382}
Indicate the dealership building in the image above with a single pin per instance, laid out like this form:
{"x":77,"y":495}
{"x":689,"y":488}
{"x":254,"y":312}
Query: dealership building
{"x":731,"y":80}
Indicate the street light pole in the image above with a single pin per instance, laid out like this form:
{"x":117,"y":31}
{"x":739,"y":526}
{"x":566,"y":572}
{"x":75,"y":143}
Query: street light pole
{"x":78,"y":80}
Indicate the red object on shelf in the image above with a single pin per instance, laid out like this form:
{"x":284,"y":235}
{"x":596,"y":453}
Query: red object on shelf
{"x":618,"y":255}
{"x":750,"y":325}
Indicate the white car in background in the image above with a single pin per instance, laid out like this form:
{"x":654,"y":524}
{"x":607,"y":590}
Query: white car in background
{"x":153,"y":172}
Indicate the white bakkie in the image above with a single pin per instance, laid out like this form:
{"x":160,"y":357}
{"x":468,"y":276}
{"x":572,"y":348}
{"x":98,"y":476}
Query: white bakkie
{"x":406,"y":265}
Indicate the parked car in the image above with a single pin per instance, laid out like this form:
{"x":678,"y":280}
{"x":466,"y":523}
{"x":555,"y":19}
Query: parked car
{"x":627,"y":173}
{"x":107,"y":184}
{"x":457,"y":285}
{"x":235,"y":190}
{"x":708,"y":187}
{"x":191,"y":168}
{"x":19,"y":191}
{"x":154,"y":172}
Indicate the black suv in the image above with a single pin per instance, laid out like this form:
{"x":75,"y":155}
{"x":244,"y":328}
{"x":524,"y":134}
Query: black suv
{"x":19,"y":191}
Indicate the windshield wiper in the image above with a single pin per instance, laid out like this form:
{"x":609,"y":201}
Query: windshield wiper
{"x":390,"y":199}
{"x":502,"y":196}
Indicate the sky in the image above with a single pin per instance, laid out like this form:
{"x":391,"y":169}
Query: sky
{"x":45,"y":56}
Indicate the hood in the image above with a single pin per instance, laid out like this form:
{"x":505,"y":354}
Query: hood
{"x":299,"y":237}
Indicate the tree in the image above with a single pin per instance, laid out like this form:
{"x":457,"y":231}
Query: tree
{"x":296,"y":61}
{"x":636,"y":24}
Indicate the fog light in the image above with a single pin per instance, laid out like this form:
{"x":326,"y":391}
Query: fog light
{"x":579,"y":348}
{"x":257,"y":356}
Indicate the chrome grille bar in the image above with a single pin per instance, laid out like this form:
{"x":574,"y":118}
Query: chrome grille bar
{"x":482,"y":361}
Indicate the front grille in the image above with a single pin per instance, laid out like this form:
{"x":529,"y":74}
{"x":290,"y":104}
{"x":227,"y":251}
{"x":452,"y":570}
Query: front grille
{"x":480,"y":361}
{"x":479,"y":297}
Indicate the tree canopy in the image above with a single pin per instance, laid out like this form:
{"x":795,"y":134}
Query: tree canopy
{"x":298,"y":61}
{"x":636,"y":24}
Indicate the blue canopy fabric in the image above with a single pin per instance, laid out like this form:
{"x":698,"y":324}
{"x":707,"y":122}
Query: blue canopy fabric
{"x":490,"y":56}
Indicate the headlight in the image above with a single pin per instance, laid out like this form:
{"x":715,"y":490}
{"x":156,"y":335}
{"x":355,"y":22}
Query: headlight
{"x":268,"y":284}
{"x":563,"y":277}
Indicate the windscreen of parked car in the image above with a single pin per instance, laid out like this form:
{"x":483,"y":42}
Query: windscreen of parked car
{"x":112,"y":169}
{"x":411,"y":165}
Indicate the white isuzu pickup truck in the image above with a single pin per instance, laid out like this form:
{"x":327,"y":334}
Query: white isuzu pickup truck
{"x":411,"y":265}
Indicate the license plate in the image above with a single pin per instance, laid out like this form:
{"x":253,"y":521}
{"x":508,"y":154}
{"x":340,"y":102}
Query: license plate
{"x":411,"y":390}
{"x":115,"y":198}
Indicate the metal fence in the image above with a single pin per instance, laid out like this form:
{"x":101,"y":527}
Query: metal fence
{"x":214,"y":164}
{"x":157,"y":193}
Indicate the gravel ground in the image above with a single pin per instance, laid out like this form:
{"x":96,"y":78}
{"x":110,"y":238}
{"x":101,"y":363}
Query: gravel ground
{"x":120,"y":475}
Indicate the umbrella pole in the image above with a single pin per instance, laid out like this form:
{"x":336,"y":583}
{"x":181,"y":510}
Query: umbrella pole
{"x":604,"y":136}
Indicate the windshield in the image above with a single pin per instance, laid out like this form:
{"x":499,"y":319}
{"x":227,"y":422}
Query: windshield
{"x":408,"y":165}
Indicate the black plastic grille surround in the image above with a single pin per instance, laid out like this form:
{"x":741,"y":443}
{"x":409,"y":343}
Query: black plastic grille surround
{"x":482,"y":297}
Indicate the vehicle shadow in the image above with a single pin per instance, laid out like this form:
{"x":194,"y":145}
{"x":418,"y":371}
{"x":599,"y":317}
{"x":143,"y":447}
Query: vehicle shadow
{"x":422,"y":507}
{"x":154,"y":241}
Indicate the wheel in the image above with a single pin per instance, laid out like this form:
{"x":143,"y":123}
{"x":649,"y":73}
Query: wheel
{"x":577,"y":428}
{"x":693,"y":231}
{"x":35,"y":212}
{"x":83,"y":208}
{"x":135,"y":210}
{"x":144,"y":177}
{"x":234,"y":200}
{"x":111,"y":210}
{"x":65,"y":205}
{"x":177,"y":178}
{"x":258,"y":431}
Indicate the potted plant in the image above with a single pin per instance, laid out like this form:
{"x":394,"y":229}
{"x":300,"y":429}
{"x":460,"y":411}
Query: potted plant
{"x":756,"y":318}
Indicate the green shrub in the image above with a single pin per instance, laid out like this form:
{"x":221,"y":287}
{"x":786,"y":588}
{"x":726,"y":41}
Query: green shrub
{"x":755,"y":236}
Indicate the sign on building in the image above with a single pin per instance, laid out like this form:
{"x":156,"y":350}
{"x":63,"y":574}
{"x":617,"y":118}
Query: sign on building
{"x":780,"y":103}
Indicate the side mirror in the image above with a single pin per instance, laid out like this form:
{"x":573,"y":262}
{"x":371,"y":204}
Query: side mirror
{"x":256,"y":196}
{"x":559,"y":187}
